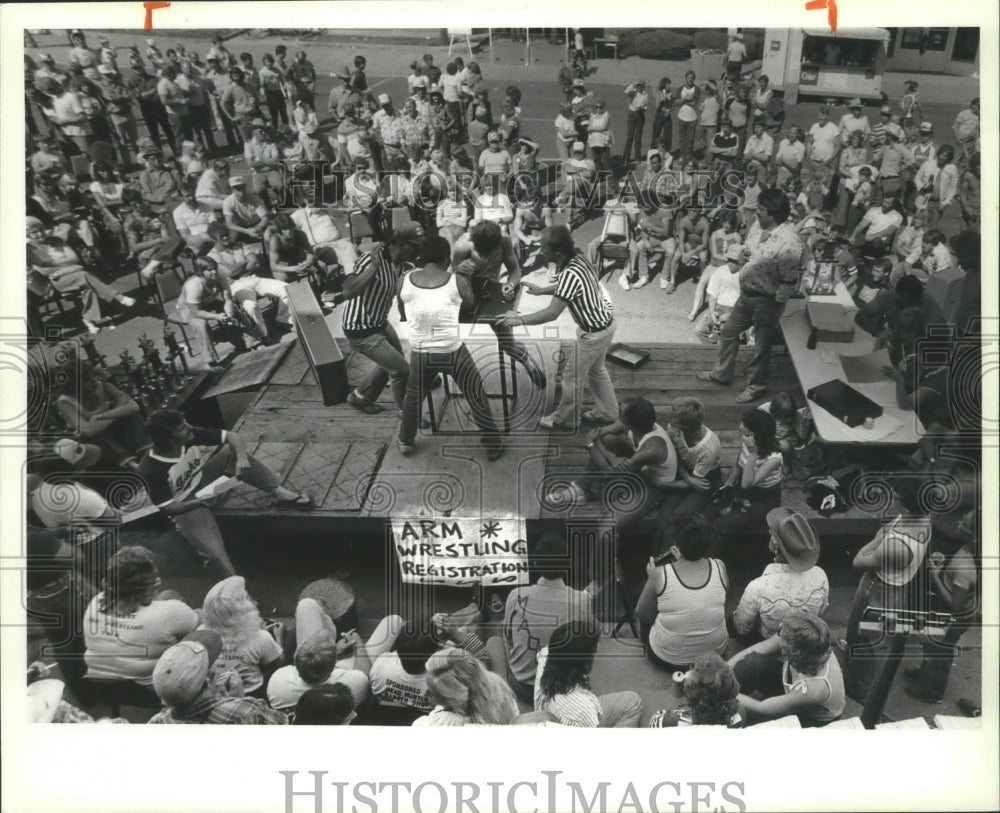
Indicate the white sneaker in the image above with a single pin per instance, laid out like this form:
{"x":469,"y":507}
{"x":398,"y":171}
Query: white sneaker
{"x":664,"y":282}
{"x":623,"y":282}
{"x":92,"y":329}
{"x":642,"y":282}
{"x":127,"y":301}
{"x":566,"y":497}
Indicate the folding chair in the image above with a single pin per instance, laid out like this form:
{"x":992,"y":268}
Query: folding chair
{"x":616,"y":234}
{"x":43,"y":301}
{"x":168,"y":287}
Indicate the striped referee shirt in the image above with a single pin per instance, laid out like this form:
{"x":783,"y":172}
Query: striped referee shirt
{"x":579,"y":289}
{"x":369,"y":311}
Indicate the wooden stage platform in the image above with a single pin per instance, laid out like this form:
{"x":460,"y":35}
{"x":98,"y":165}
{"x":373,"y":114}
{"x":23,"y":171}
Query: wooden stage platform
{"x":350,"y":464}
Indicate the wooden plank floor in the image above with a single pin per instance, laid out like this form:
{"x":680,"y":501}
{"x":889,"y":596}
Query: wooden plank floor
{"x":351,"y":466}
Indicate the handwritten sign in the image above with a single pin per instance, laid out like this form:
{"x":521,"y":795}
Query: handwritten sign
{"x":461,"y":551}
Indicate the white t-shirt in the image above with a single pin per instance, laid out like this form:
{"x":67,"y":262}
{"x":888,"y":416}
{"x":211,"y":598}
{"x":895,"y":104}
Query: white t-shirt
{"x":127,"y":647}
{"x":195,"y":220}
{"x":450,"y":86}
{"x":247,"y":660}
{"x":880,"y":222}
{"x":823,"y":137}
{"x":286,"y":686}
{"x":317,"y":226}
{"x":394,"y":686}
{"x":724,"y":285}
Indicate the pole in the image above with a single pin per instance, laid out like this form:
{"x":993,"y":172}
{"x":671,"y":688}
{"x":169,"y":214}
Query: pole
{"x":527,"y":46}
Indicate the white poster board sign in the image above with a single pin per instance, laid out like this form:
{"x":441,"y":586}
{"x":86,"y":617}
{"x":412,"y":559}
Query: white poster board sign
{"x":461,"y":551}
{"x":459,"y":32}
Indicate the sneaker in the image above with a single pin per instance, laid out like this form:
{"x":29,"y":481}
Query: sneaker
{"x":125,"y":301}
{"x":642,"y":282}
{"x":710,"y":376}
{"x":363,"y":404}
{"x":549,"y":422}
{"x":566,"y":497}
{"x":92,"y":329}
{"x":749,"y":394}
{"x":670,"y":287}
{"x":623,"y":282}
{"x":664,"y":282}
{"x":405,"y":449}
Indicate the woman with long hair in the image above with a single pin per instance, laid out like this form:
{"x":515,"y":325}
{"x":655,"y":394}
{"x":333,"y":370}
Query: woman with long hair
{"x":247,"y":647}
{"x":131,"y":622}
{"x":710,"y":689}
{"x":755,"y":481}
{"x":793,"y":672}
{"x":562,"y":682}
{"x":465,"y":692}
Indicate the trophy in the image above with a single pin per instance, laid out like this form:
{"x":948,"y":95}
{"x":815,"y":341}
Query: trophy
{"x":151,"y":372}
{"x":174,"y":351}
{"x":93,"y":356}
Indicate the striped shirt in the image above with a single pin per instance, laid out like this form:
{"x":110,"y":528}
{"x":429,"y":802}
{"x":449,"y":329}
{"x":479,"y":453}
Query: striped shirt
{"x":370,"y":309}
{"x":579,"y":707}
{"x":579,"y":289}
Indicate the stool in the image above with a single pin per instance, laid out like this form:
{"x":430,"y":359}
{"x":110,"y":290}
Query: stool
{"x":504,"y":396}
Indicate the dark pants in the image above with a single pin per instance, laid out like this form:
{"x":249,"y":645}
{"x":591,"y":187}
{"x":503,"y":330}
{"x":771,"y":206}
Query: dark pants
{"x":762,"y":314}
{"x":636,"y":124}
{"x":760,"y":673}
{"x":663,"y":131}
{"x":182,"y":129}
{"x":155,"y":115}
{"x":201,"y":124}
{"x":276,"y":106}
{"x":424,"y":367}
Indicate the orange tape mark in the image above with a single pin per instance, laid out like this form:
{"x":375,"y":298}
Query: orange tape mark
{"x":150,"y":8}
{"x":831,"y":11}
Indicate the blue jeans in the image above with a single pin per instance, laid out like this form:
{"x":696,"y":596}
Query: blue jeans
{"x":762,"y":314}
{"x":424,"y":366}
{"x":391,"y":366}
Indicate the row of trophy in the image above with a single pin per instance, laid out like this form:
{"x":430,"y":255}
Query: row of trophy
{"x":152,"y":379}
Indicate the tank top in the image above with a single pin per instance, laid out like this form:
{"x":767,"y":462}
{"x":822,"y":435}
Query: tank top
{"x":432,"y":315}
{"x":689,"y":620}
{"x":915,"y":533}
{"x":687,"y":111}
{"x":661,"y":473}
{"x":833,"y":680}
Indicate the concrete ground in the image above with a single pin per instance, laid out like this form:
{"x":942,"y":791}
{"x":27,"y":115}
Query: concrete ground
{"x":276,"y":570}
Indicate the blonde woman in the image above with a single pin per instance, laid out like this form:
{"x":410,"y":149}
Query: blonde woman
{"x":464,"y":692}
{"x":247,"y":647}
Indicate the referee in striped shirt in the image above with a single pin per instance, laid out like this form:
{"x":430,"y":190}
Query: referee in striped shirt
{"x":369,"y":291}
{"x":578,"y":289}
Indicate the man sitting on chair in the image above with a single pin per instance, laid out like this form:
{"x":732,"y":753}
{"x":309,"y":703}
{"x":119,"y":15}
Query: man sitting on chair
{"x":289,"y":251}
{"x":245,"y":213}
{"x":361,"y":193}
{"x":322,"y":233}
{"x":653,"y":235}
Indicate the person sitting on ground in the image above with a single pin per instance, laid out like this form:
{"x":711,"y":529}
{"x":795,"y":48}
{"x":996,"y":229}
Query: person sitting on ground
{"x":875,"y":232}
{"x":399,"y":676}
{"x":871,"y":280}
{"x":132,"y":622}
{"x":682,"y":606}
{"x":562,"y":686}
{"x":464,"y":692}
{"x":794,"y":672}
{"x":699,"y":473}
{"x":792,"y":581}
{"x":790,"y":432}
{"x":325,"y":656}
{"x":634,"y":445}
{"x":248,"y":647}
{"x":97,"y":412}
{"x":176,"y":468}
{"x":533,"y":612}
{"x":184,"y":684}
{"x":327,"y":704}
{"x":755,"y":480}
{"x":710,"y":689}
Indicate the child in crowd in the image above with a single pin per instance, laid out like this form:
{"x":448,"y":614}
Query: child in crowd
{"x":871,"y":280}
{"x":791,"y":429}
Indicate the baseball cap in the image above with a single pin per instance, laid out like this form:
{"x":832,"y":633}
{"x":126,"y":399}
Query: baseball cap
{"x":421,"y":81}
{"x":383,"y":98}
{"x":734,"y":251}
{"x":578,"y":146}
{"x":886,"y":111}
{"x":493,"y":137}
{"x":795,"y":537}
{"x":926,"y":127}
{"x":237,"y":180}
{"x":79,"y":455}
{"x":411,"y":233}
{"x":895,"y":131}
{"x":855,"y":102}
{"x":182,"y":671}
{"x":578,"y":82}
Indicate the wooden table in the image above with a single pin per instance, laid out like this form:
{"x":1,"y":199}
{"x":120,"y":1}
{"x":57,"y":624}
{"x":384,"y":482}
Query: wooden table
{"x":895,"y":427}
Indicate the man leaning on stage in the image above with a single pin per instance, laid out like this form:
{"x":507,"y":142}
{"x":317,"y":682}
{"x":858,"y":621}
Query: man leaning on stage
{"x":178,"y":466}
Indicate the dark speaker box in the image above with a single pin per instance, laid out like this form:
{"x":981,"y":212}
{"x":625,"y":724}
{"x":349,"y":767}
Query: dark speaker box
{"x":316,"y":340}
